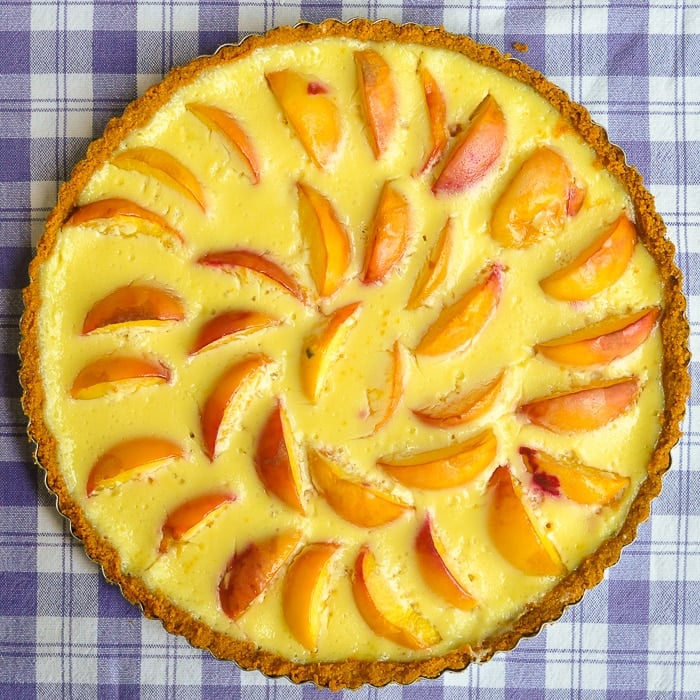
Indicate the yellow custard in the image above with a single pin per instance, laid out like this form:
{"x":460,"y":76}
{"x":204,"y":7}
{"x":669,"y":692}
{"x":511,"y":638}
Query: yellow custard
{"x":362,"y":374}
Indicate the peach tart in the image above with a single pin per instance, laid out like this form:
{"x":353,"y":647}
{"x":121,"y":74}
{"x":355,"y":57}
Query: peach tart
{"x":354,"y":352}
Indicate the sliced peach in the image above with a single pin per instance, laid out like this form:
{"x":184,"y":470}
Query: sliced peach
{"x":304,"y":591}
{"x":159,"y":164}
{"x":130,"y":459}
{"x":357,"y":502}
{"x":188,"y":516}
{"x":389,"y":235}
{"x":445,"y":467}
{"x":475,"y":152}
{"x":539,"y":200}
{"x":322,"y":347}
{"x":311,"y":111}
{"x":328,"y":241}
{"x":584,"y":409}
{"x":108,"y":375}
{"x":459,"y":324}
{"x":396,"y":388}
{"x":251,"y":570}
{"x":227,"y":125}
{"x":602,"y":342}
{"x":115,"y":207}
{"x":514,"y":532}
{"x":228,"y":325}
{"x":437,"y":118}
{"x":231,"y":260}
{"x":573,"y":479}
{"x":434,"y":271}
{"x":385,"y":610}
{"x":460,"y":407}
{"x":597,"y":267}
{"x":432,"y":563}
{"x":134,"y":304}
{"x":276,"y":462}
{"x":225,"y":391}
{"x":378,"y":97}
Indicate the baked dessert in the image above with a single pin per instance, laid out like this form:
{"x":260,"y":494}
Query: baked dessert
{"x":354,"y":353}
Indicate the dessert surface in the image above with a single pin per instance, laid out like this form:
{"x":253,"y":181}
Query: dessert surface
{"x":352,"y":351}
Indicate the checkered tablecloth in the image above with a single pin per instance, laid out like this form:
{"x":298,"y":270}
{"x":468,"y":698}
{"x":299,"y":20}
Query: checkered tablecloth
{"x":66,"y":67}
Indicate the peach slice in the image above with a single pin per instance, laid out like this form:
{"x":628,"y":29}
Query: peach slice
{"x":385,"y":610}
{"x":134,"y":304}
{"x":227,"y":125}
{"x":434,"y":271}
{"x":437,"y":118}
{"x":322,"y":347}
{"x":328,"y":241}
{"x":597,"y":267}
{"x":460,"y":407}
{"x":459,"y":324}
{"x":116,"y":207}
{"x":445,"y":467}
{"x":378,"y":98}
{"x":513,"y":531}
{"x":251,"y":570}
{"x":225,"y":391}
{"x":539,"y":200}
{"x":304,"y":590}
{"x":357,"y":502}
{"x":108,"y":375}
{"x":573,"y":479}
{"x":602,"y":342}
{"x":188,"y":516}
{"x":231,"y":260}
{"x":584,"y":409}
{"x":159,"y":164}
{"x":476,"y":150}
{"x":396,"y":388}
{"x":432,"y":564}
{"x":129,"y":459}
{"x":389,"y":235}
{"x":228,"y":325}
{"x":275,"y":460}
{"x":310,"y":110}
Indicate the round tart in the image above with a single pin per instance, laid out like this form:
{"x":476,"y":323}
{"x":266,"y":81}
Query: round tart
{"x":354,"y":353}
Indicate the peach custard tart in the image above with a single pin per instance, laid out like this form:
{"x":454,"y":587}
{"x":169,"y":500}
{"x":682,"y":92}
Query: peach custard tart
{"x":354,"y":352}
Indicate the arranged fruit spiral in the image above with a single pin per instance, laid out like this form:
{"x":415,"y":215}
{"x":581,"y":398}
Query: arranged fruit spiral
{"x":351,"y":351}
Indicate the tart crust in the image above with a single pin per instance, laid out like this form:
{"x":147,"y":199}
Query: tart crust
{"x":352,"y":673}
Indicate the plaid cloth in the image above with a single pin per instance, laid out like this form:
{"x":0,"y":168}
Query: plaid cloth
{"x":68,"y":66}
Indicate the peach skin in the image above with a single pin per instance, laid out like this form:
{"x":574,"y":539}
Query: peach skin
{"x":571,"y":478}
{"x":159,"y":164}
{"x":475,"y":152}
{"x":357,"y":502}
{"x":108,"y":375}
{"x":134,"y":304}
{"x":603,"y":342}
{"x":304,"y":590}
{"x":445,"y":467}
{"x":583,"y":409}
{"x":514,"y":533}
{"x":432,"y":563}
{"x":378,"y":99}
{"x":224,"y":123}
{"x":539,"y":200}
{"x":129,"y":459}
{"x":311,"y":112}
{"x":251,"y":570}
{"x":597,"y":267}
{"x":384,"y":610}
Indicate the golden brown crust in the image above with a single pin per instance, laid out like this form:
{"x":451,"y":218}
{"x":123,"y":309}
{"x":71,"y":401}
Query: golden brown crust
{"x":353,"y":673}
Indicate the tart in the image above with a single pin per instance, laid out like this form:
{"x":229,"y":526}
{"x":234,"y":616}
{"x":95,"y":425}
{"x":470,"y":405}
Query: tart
{"x":354,"y":352}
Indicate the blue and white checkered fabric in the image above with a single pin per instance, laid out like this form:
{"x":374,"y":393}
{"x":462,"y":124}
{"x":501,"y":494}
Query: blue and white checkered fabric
{"x":66,"y":68}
